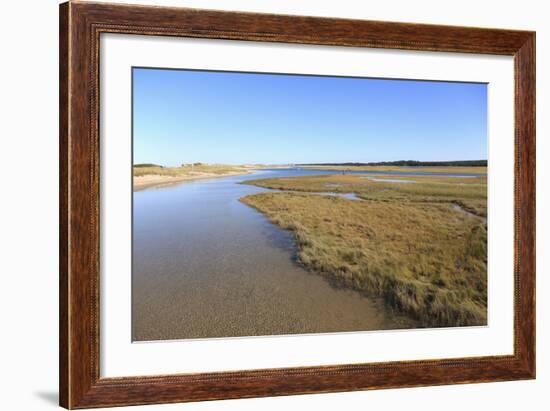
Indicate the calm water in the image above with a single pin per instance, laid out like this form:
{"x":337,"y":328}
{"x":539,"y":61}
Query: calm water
{"x":205,"y":265}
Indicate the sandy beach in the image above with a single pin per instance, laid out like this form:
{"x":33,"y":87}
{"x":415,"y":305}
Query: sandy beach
{"x":156,"y":180}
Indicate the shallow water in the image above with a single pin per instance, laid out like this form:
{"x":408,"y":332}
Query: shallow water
{"x":390,"y":180}
{"x":206,"y":265}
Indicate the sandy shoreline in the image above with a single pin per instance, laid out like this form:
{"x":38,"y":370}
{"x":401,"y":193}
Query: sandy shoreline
{"x":149,"y":181}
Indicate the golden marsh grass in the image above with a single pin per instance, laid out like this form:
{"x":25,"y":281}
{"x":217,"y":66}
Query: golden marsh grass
{"x":469,"y":193}
{"x":413,"y":244}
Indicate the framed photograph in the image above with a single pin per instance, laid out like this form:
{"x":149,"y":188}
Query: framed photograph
{"x":258,"y":205}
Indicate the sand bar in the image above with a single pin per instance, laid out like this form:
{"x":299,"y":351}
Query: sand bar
{"x":156,"y":180}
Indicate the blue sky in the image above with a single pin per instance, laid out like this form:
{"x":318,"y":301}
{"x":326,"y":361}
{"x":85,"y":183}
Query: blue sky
{"x":183,"y":116}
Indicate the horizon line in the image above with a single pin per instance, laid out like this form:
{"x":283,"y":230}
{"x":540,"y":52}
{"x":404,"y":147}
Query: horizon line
{"x":342,"y":163}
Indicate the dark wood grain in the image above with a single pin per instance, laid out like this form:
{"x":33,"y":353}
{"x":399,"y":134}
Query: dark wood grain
{"x":80,"y":27}
{"x":63,"y":205}
{"x":525,"y":203}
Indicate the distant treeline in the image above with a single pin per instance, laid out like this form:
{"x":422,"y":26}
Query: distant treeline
{"x":411,"y":163}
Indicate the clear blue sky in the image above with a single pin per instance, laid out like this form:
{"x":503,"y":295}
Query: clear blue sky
{"x":183,"y":116}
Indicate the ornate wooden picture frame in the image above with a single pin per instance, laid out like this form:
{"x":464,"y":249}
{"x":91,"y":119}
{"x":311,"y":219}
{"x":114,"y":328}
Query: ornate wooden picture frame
{"x":80,"y":27}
